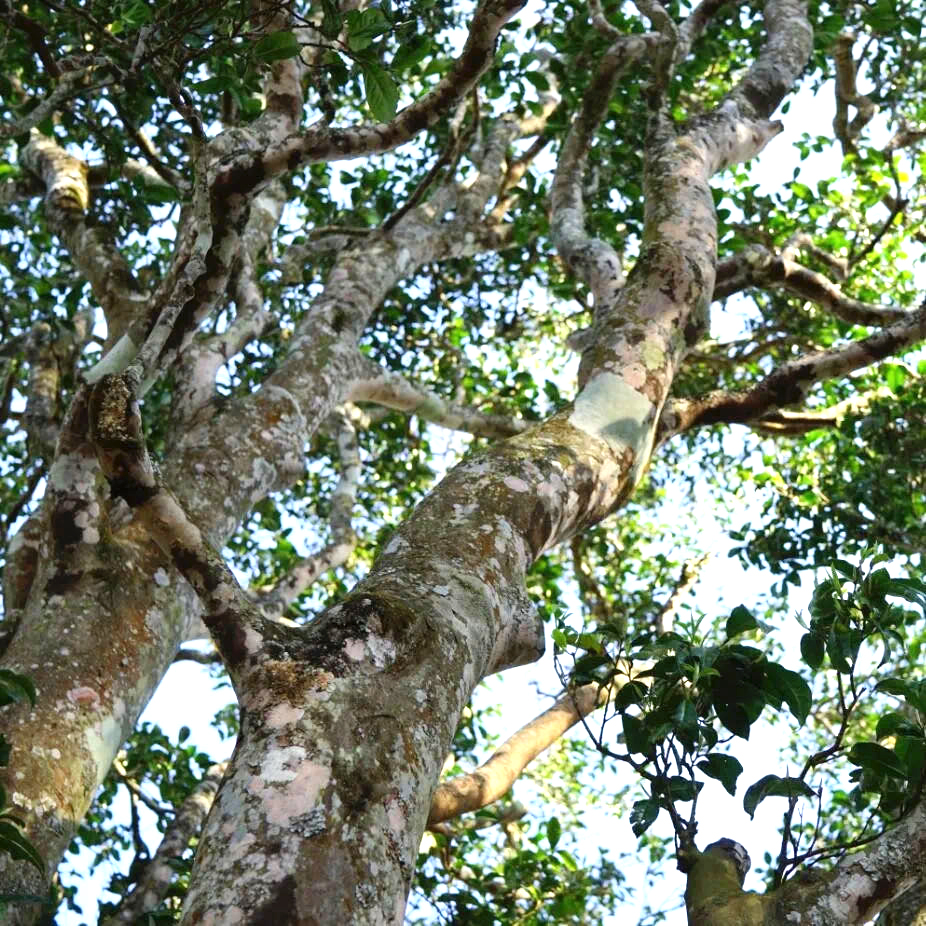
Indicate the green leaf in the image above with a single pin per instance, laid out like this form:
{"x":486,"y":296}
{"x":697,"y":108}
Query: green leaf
{"x":381,"y":92}
{"x":635,"y":736}
{"x":276,"y":46}
{"x":679,"y":788}
{"x":631,"y":693}
{"x":331,"y":23}
{"x":734,"y":718}
{"x":411,"y":52}
{"x":877,"y":759}
{"x":912,"y":750}
{"x":16,"y":687}
{"x":791,"y":688}
{"x":812,"y":649}
{"x":739,"y":621}
{"x":894,"y":723}
{"x":214,"y":84}
{"x":726,"y":769}
{"x":365,"y":25}
{"x":643,"y":816}
{"x":15,"y":843}
{"x":554,"y":831}
{"x":774,"y":786}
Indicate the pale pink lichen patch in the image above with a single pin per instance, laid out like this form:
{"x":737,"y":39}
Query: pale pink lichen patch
{"x":516,"y":484}
{"x":282,"y":715}
{"x":282,"y":804}
{"x":83,"y":696}
{"x":354,"y":649}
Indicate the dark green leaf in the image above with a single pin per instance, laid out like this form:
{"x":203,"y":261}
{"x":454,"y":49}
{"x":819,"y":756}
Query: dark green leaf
{"x":331,"y":23}
{"x":635,"y":736}
{"x":739,"y":621}
{"x":791,"y":688}
{"x":877,"y":759}
{"x":365,"y":25}
{"x":16,"y":687}
{"x":14,"y":842}
{"x":631,"y":693}
{"x":381,"y":92}
{"x":554,"y":831}
{"x":812,"y":650}
{"x":643,"y":816}
{"x":276,"y":46}
{"x":774,"y":786}
{"x":410,"y":53}
{"x":726,"y":769}
{"x":894,"y":723}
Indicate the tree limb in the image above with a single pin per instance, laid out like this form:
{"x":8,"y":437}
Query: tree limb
{"x":757,"y":266}
{"x":792,"y":381}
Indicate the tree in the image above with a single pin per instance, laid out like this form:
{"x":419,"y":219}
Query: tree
{"x":194,"y":275}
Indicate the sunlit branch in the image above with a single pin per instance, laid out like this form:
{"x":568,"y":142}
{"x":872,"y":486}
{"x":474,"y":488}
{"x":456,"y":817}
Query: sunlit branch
{"x":495,"y":777}
{"x":792,"y":381}
{"x":686,"y":582}
{"x":66,"y":200}
{"x":783,"y":56}
{"x":275,"y":600}
{"x":158,"y":873}
{"x":847,"y":95}
{"x":785,"y":422}
{"x":392,"y":390}
{"x":756,"y":266}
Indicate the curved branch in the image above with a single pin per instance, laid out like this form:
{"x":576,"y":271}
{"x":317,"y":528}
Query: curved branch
{"x":593,"y":261}
{"x":242,"y":172}
{"x":757,"y":266}
{"x":275,"y":600}
{"x":496,"y":775}
{"x":791,"y":382}
{"x":157,"y":874}
{"x":67,"y":198}
{"x":783,"y":57}
{"x":392,"y":390}
{"x":847,"y":95}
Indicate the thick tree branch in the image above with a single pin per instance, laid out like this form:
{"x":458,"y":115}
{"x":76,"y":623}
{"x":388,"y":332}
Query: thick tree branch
{"x":157,"y":874}
{"x":241,"y":172}
{"x":783,"y":56}
{"x":791,"y":382}
{"x":497,"y":774}
{"x":67,"y":198}
{"x":115,"y":428}
{"x":276,"y":599}
{"x":862,"y":883}
{"x":757,"y":266}
{"x":392,"y":390}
